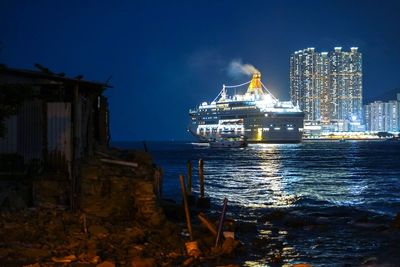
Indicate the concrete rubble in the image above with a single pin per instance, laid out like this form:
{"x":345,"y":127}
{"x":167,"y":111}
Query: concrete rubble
{"x":120,"y":222}
{"x":123,"y":221}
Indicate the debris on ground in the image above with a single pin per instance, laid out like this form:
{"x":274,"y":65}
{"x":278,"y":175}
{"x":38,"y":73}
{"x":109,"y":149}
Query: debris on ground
{"x":120,"y":221}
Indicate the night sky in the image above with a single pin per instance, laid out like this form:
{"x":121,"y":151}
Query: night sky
{"x":168,"y":56}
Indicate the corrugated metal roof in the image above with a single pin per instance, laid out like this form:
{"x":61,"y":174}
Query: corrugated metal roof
{"x":52,"y":77}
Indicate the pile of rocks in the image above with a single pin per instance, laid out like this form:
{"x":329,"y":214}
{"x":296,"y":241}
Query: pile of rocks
{"x":45,"y":237}
{"x":119,"y":221}
{"x":121,"y":192}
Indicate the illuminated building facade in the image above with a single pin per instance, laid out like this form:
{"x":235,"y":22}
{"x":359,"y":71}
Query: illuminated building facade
{"x":345,"y":77}
{"x":324,"y":87}
{"x":327,"y":86}
{"x":383,"y":116}
{"x":305,"y":86}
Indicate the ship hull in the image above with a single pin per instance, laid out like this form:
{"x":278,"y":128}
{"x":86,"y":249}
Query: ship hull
{"x":257,"y":127}
{"x":265,"y":139}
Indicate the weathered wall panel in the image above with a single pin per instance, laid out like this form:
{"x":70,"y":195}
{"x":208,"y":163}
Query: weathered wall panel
{"x":8,"y":144}
{"x":103,"y":121}
{"x":86,"y":110}
{"x":59,"y":138}
{"x":30,"y":130}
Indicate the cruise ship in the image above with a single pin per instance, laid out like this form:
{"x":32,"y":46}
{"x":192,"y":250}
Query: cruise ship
{"x":257,"y":115}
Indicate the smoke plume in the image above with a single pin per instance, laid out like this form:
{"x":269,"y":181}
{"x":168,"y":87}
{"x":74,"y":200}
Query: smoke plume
{"x":237,"y":68}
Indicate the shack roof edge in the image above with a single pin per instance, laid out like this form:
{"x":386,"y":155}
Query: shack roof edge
{"x":50,"y":76}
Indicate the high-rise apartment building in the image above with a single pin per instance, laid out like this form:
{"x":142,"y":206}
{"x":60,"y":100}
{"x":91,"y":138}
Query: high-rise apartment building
{"x":327,"y":86}
{"x":305,"y":82}
{"x":346,"y":84}
{"x":383,"y":116}
{"x":325,"y":98}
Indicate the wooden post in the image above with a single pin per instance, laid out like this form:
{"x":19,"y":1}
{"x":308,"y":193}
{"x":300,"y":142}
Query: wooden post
{"x":203,"y":219}
{"x":201,"y":177}
{"x":76,"y":145}
{"x":202,"y":202}
{"x":161,"y":180}
{"x":44,"y":134}
{"x":189,"y":177}
{"x":120,"y":162}
{"x":221,"y":222}
{"x":90,"y":131}
{"x":145,"y":146}
{"x":77,"y":123}
{"x":84,"y":224}
{"x":158,"y":182}
{"x":102,"y":121}
{"x":186,"y":206}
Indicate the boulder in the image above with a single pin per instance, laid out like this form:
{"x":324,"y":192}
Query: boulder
{"x":396,"y":221}
{"x":32,"y":265}
{"x":98,"y":231}
{"x":106,"y":264}
{"x":229,"y":246}
{"x":66,"y":259}
{"x":91,"y":172}
{"x":135,"y":234}
{"x":143,"y":262}
{"x":34,"y":253}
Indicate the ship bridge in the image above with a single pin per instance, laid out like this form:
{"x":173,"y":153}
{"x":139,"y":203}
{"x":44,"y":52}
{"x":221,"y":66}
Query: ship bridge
{"x":257,"y":93}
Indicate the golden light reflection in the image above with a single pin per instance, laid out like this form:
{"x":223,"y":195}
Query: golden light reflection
{"x":272,"y":172}
{"x":259,"y":134}
{"x":255,"y":84}
{"x":255,"y":264}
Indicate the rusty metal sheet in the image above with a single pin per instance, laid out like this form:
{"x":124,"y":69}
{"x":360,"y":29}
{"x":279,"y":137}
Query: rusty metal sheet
{"x":59,"y":138}
{"x":31,"y":130}
{"x":8,"y":144}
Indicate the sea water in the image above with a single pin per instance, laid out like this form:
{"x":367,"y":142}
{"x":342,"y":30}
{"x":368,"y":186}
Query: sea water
{"x":329,"y":196}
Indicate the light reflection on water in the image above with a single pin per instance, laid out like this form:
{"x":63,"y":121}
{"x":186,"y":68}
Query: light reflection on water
{"x":255,"y":183}
{"x":278,"y":175}
{"x":335,"y":180}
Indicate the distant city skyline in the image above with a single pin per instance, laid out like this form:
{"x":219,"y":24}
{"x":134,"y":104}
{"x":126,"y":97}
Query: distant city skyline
{"x":381,"y":116}
{"x":327,"y":85}
{"x":167,"y":57}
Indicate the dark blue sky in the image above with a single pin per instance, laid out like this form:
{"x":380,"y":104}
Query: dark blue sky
{"x":168,"y":56}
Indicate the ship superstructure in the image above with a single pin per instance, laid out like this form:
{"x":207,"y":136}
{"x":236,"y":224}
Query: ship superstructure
{"x":257,"y":115}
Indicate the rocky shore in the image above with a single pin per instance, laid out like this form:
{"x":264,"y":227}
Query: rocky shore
{"x":120,"y":221}
{"x":123,"y":220}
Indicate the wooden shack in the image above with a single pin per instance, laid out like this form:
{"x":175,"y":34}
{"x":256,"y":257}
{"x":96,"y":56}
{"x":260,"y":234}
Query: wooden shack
{"x":58,"y":124}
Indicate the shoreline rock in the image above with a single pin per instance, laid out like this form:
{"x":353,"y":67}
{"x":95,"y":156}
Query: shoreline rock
{"x":120,"y":221}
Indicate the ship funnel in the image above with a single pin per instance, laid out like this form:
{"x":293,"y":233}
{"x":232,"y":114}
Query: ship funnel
{"x":255,"y":85}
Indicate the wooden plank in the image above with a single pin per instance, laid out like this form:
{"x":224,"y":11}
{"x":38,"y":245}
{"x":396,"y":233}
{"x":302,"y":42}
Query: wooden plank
{"x":120,"y":162}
